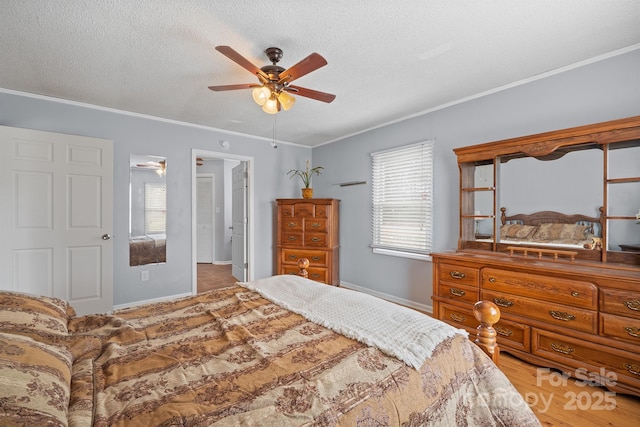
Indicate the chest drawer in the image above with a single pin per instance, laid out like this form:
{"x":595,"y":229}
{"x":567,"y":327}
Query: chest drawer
{"x":457,"y":292}
{"x":316,"y":258}
{"x":291,"y":224}
{"x":292,"y":238}
{"x":315,"y":273}
{"x":315,"y":224}
{"x":555,"y":289}
{"x":621,"y":327}
{"x":315,"y":239}
{"x":557,"y":314}
{"x":451,"y":273}
{"x":616,"y":301}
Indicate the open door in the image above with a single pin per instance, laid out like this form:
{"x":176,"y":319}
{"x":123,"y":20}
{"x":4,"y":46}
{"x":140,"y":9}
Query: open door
{"x":239,"y":220}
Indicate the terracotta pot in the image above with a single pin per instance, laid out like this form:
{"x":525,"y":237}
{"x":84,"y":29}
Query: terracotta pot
{"x":307,"y":193}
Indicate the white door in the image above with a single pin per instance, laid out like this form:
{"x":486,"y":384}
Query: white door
{"x":56,"y":217}
{"x":239,"y":219}
{"x":204,"y":218}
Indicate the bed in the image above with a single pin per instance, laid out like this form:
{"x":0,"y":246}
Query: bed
{"x":278,"y":351}
{"x":147,"y":249}
{"x":548,"y":228}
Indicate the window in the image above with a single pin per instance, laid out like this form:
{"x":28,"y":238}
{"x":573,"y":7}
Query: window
{"x":155,"y":208}
{"x":402,"y":200}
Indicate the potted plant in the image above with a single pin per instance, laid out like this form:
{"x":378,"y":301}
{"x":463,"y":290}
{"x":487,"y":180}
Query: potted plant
{"x":305,"y":176}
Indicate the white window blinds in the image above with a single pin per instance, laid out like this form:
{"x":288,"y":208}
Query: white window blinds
{"x":155,"y":208}
{"x":402,"y":200}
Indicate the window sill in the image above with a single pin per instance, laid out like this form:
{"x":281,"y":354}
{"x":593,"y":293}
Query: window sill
{"x":401,"y":254}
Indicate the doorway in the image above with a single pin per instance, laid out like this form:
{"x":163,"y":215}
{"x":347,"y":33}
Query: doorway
{"x":222,"y":207}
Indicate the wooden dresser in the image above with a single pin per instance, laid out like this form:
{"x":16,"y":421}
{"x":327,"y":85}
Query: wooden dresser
{"x":309,"y":228}
{"x":560,"y":314}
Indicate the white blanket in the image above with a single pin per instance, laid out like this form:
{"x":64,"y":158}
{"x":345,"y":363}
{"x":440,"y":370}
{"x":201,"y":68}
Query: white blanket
{"x":398,"y":331}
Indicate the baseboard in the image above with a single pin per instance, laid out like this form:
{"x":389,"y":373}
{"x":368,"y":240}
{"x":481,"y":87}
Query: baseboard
{"x":149,"y":301}
{"x":222,"y":262}
{"x":405,"y":302}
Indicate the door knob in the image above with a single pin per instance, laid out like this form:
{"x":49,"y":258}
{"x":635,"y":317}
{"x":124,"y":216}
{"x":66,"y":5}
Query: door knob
{"x":106,"y":236}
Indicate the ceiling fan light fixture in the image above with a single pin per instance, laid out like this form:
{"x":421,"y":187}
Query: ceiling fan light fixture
{"x":272,"y":105}
{"x":261,"y":94}
{"x":286,"y":100}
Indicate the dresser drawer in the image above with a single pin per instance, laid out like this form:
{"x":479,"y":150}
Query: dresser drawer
{"x":316,"y":258}
{"x":555,"y":289}
{"x":451,"y":273}
{"x":459,"y":317}
{"x":315,"y":273}
{"x":457,"y":292}
{"x":584,"y":354}
{"x":322,"y":211}
{"x":315,"y":225}
{"x":616,"y":301}
{"x":621,"y":327}
{"x":557,"y":314}
{"x":514,"y":335}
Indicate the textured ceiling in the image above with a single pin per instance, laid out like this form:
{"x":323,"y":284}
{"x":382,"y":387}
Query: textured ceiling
{"x":386,"y":60}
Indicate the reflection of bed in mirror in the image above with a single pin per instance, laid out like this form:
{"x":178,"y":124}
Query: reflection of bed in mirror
{"x":147,"y":249}
{"x":548,"y":228}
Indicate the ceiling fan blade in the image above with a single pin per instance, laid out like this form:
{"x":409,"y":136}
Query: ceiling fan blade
{"x":307,"y":65}
{"x":313,"y":94}
{"x":240,"y":60}
{"x":233,"y":87}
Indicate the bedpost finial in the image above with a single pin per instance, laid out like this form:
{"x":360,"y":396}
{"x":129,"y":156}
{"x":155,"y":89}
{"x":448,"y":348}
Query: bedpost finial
{"x":488,"y":314}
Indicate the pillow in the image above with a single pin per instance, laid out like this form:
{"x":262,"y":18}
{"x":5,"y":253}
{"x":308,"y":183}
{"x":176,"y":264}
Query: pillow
{"x":517,"y":231}
{"x":35,"y":382}
{"x":33,"y":315}
{"x":576,"y":232}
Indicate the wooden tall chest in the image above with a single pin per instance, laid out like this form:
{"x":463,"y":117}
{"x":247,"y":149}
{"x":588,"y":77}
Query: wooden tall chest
{"x":309,"y":228}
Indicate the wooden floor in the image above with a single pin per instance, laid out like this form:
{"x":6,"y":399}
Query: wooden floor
{"x":212,"y":276}
{"x":562,"y":401}
{"x":556,"y":400}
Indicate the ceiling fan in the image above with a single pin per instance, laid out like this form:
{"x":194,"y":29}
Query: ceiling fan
{"x":272,"y":93}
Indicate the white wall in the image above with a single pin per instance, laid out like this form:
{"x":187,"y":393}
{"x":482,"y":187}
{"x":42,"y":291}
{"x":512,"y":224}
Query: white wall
{"x":601,"y":91}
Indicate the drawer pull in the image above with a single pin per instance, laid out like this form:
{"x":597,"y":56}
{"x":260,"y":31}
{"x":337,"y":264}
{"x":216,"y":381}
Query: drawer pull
{"x":634,"y":369}
{"x":634,"y":332}
{"x":457,"y":318}
{"x":315,"y":275}
{"x":492,"y":279}
{"x":293,"y":256}
{"x":457,"y":292}
{"x":292,"y":224}
{"x":561,"y":315}
{"x":503,"y":331}
{"x":291,"y":238}
{"x":633,"y":305}
{"x":575,"y":294}
{"x":564,"y":349}
{"x":315,"y":225}
{"x":502,"y":302}
{"x":456,"y":274}
{"x":315,"y":239}
{"x":315,"y":258}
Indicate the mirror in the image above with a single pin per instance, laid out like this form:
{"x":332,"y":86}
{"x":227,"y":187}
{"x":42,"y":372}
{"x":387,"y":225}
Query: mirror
{"x":147,"y":210}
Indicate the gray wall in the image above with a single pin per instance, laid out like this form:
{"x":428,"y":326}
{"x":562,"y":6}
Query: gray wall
{"x":601,"y":91}
{"x":141,"y":135}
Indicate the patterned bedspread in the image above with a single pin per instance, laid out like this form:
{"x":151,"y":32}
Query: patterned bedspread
{"x":230,"y":357}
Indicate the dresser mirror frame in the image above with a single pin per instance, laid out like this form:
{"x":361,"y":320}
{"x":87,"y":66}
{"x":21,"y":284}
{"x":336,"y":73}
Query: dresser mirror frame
{"x":614,"y":180}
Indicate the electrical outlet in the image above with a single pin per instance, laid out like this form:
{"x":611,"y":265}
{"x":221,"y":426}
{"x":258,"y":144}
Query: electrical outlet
{"x":144,"y":276}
